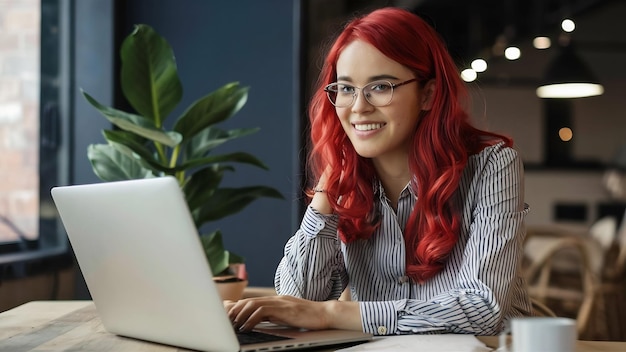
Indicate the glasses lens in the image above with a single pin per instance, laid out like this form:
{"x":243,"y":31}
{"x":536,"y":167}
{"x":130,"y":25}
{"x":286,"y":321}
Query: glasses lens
{"x":378,"y":93}
{"x":340,"y":94}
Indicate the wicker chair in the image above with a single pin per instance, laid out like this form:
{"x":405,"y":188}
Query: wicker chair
{"x":581,"y":259}
{"x":540,"y":309}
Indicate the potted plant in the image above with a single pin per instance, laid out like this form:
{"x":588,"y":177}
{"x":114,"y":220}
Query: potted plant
{"x":141,"y":145}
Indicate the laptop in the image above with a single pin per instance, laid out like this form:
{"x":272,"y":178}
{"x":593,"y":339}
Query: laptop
{"x":140,"y":254}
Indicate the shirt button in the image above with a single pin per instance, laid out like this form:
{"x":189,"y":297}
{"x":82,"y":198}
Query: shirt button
{"x":403,"y":279}
{"x":382,"y":330}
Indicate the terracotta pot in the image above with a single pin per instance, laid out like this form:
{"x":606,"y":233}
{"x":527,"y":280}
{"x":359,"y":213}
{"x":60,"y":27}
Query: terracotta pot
{"x":230,"y":289}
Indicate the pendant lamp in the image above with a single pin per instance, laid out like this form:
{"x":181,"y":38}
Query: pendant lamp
{"x":568,"y":76}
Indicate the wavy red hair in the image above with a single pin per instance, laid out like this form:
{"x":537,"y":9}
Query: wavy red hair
{"x":443,"y":141}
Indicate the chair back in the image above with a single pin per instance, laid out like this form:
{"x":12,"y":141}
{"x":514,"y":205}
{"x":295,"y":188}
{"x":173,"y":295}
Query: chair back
{"x":603,"y":231}
{"x":540,"y":309}
{"x":602,"y":234}
{"x":620,"y":262}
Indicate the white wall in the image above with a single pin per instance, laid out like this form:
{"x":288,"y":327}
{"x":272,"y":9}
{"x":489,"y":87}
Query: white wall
{"x":544,"y":189}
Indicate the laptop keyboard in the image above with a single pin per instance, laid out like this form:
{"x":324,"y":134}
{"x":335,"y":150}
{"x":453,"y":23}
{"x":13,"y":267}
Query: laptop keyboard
{"x":249,"y":337}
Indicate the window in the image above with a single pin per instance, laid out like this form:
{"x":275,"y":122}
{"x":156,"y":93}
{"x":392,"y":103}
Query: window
{"x":33,"y":153}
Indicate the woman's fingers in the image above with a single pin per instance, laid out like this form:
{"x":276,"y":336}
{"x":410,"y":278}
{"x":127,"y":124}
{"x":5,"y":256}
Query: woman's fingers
{"x":283,"y":310}
{"x":255,"y":315}
{"x":241,"y":312}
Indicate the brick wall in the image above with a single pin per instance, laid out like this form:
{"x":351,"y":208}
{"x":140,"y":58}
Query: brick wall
{"x":19,"y":105}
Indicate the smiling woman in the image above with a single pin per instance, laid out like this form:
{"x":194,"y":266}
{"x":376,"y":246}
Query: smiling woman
{"x":421,"y":217}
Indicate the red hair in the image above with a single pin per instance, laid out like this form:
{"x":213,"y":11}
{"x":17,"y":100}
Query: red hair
{"x":442,"y":143}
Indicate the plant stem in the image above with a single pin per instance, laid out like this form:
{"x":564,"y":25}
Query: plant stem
{"x":175,"y":154}
{"x":160,"y":151}
{"x":180,"y":175}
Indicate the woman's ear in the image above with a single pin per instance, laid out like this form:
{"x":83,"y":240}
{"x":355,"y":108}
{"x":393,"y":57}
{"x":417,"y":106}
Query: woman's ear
{"x":428,"y":93}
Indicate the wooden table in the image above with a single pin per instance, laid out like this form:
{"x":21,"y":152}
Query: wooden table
{"x":75,"y":326}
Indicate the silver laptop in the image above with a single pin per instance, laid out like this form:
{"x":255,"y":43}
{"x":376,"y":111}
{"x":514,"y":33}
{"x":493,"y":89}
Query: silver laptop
{"x":144,"y":266}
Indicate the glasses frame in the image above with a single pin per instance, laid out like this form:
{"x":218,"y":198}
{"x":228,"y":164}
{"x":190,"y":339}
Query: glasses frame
{"x":360,"y":89}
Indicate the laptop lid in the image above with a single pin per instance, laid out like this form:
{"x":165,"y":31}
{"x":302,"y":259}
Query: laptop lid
{"x":143,"y":263}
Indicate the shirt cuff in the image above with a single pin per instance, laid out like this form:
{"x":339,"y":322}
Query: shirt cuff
{"x":379,"y":318}
{"x":315,"y":224}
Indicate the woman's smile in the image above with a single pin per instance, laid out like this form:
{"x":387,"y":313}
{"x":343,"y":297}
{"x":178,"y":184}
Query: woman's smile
{"x":366,"y":127}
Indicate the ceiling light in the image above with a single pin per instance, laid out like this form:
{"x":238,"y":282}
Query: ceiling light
{"x":512,"y":53}
{"x":468,"y":75}
{"x":542,"y":42}
{"x":567,"y":76}
{"x":479,"y":65}
{"x":566,"y":134}
{"x":568,"y":25}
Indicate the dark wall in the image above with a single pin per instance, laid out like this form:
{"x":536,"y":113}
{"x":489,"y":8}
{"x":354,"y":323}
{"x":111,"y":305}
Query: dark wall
{"x":217,"y":42}
{"x":91,"y":46}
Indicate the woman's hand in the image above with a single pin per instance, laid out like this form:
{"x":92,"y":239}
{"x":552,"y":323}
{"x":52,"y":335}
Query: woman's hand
{"x":291,"y":311}
{"x":320,"y":198}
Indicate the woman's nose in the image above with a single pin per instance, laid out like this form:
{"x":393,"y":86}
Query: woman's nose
{"x":360,"y":103}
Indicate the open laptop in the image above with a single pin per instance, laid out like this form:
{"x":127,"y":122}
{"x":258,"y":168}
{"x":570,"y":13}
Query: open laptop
{"x":143,"y":263}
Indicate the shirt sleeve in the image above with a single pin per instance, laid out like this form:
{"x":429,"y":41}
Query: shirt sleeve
{"x":486,"y":272}
{"x":312,"y":266}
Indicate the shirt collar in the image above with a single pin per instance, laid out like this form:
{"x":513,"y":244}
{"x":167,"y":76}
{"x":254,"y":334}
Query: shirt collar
{"x":406,"y":191}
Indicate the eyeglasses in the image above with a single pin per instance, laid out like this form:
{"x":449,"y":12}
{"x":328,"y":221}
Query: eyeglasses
{"x":377,"y":93}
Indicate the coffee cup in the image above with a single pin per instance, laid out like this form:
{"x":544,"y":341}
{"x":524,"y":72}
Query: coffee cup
{"x":540,"y":334}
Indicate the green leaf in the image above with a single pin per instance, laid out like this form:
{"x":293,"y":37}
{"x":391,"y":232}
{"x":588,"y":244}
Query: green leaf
{"x":155,"y":167}
{"x":210,"y":138}
{"x":228,"y":201}
{"x":202,"y":183}
{"x":110,"y":164}
{"x":218,"y":257}
{"x":135,"y":124}
{"x":234,"y":258}
{"x":215,"y":107}
{"x":126,"y":144}
{"x":215,"y":252}
{"x":239,"y":157}
{"x":149,"y":76}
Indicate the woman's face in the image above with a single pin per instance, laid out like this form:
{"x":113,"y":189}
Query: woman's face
{"x":384,"y":131}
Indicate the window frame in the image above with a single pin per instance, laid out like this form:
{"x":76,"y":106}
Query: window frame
{"x":51,"y":246}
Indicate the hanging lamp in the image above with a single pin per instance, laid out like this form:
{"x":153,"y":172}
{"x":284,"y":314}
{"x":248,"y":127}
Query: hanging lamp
{"x":568,"y":76}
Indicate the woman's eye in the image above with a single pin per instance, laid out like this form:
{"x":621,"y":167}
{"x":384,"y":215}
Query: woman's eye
{"x":344,"y":88}
{"x":379,"y":87}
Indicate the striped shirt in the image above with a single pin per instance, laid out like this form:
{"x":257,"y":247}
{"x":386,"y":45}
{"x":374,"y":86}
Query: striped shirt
{"x":480,"y":287}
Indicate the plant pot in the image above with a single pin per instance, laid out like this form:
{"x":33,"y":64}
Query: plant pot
{"x":230,"y":287}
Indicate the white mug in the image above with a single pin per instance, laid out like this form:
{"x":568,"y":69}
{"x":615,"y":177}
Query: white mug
{"x":545,"y":334}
